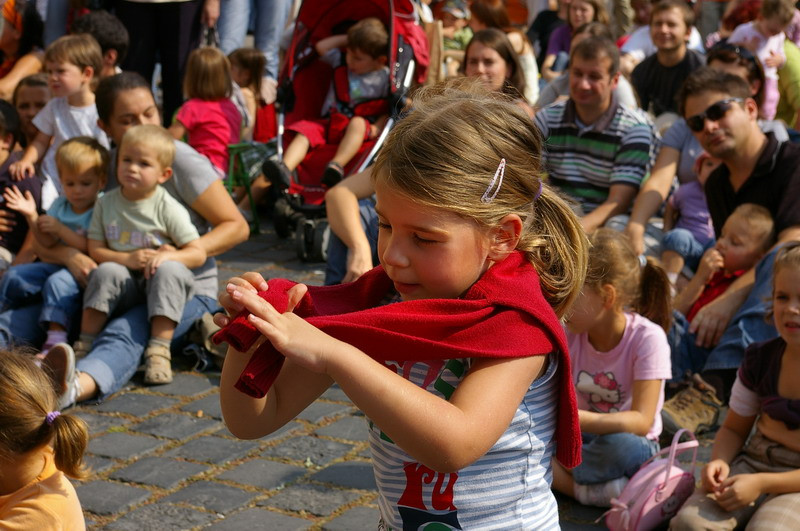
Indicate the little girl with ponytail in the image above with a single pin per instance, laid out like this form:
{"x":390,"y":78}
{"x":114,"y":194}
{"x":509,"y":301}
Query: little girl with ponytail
{"x":39,"y":447}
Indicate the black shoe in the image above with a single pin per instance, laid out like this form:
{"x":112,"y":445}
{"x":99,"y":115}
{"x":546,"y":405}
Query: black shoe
{"x":277,"y":173}
{"x":332,"y":175}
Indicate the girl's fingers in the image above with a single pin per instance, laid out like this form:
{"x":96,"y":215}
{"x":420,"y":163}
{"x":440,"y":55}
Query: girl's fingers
{"x":254,"y":303}
{"x":221,"y":320}
{"x":255,"y":280}
{"x":295,"y":294}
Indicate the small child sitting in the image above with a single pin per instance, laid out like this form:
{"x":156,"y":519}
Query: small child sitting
{"x":146,"y":245}
{"x":82,"y":166}
{"x":350,"y":116}
{"x":746,"y":236}
{"x":72,"y":62}
{"x":456,"y":32}
{"x":687,"y":222}
{"x":764,"y":37}
{"x":15,"y":246}
{"x":39,"y":447}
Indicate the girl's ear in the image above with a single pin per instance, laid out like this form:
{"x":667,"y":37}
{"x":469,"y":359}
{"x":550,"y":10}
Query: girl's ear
{"x":609,"y":294}
{"x":505,"y":237}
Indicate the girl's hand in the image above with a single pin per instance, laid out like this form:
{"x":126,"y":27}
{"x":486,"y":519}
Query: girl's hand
{"x":714,"y":473}
{"x":250,"y":281}
{"x":710,"y":263}
{"x":22,"y":203}
{"x":738,"y":491}
{"x":775,"y":60}
{"x":21,"y":170}
{"x":290,"y":334}
{"x":49,"y":225}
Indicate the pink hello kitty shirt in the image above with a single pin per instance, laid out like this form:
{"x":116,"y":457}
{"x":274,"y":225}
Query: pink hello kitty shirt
{"x":604,"y":380}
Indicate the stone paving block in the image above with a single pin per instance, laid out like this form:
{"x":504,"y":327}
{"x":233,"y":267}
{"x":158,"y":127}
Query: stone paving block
{"x":158,"y":471}
{"x":106,"y":497}
{"x":353,"y":474}
{"x":319,"y":451}
{"x":251,"y":519}
{"x":348,"y":428}
{"x":212,"y":496}
{"x":98,"y":464}
{"x":175,"y":426}
{"x":184,"y":384}
{"x":355,"y":518}
{"x":335,"y":392}
{"x":212,"y":449}
{"x":315,"y":499}
{"x":318,"y":411}
{"x":263,"y":474}
{"x":123,"y":445}
{"x":161,"y":516}
{"x":136,"y":404}
{"x":100,"y":423}
{"x":209,"y":405}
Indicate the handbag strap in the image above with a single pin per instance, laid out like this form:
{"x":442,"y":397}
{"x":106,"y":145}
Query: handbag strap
{"x":675,"y":448}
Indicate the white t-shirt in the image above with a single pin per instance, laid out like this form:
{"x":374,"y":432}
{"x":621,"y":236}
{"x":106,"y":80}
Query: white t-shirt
{"x":62,"y":121}
{"x":640,"y":44}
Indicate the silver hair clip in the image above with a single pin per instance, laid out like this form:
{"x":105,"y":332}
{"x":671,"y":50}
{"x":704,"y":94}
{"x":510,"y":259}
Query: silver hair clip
{"x":501,"y":171}
{"x":642,"y":260}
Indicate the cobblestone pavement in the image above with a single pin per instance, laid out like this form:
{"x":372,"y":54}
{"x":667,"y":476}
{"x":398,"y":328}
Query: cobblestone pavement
{"x":162,"y":458}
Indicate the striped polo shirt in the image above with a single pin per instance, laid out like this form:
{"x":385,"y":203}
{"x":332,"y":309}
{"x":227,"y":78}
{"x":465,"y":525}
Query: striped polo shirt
{"x":584,"y":160}
{"x":507,"y":488}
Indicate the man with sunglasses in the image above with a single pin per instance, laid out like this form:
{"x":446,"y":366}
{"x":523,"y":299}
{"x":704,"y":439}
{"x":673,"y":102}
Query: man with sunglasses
{"x":596,"y":151}
{"x":756,"y":168}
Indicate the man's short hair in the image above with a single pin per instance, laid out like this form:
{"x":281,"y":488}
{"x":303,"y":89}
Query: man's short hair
{"x":369,"y":36}
{"x":153,"y":137}
{"x":593,"y":48}
{"x":782,"y":10}
{"x":706,"y":79}
{"x":108,"y":31}
{"x":680,"y":5}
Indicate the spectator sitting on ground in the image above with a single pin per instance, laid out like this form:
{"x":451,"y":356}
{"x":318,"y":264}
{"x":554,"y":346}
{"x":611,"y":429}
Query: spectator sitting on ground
{"x":21,"y":44}
{"x":558,"y":48}
{"x":30,"y":97}
{"x":597,"y":151}
{"x":110,"y":34}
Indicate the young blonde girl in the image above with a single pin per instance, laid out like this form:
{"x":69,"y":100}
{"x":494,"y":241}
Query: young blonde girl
{"x":39,"y":447}
{"x":755,"y":481}
{"x":621,"y":359}
{"x":452,"y":347}
{"x":247,"y":69}
{"x":209,"y":119}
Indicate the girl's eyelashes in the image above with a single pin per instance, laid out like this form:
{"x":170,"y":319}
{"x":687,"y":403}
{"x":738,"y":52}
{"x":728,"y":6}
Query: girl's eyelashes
{"x":384,"y":226}
{"x":421,"y":240}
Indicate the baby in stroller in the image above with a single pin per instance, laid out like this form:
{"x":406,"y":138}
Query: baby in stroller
{"x":355,"y":109}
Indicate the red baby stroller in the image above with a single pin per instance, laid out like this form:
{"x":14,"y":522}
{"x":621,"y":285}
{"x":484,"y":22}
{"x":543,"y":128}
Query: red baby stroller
{"x":303,"y":85}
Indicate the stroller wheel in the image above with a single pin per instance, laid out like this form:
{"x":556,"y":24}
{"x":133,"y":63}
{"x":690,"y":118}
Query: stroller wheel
{"x":282,"y":217}
{"x":319,"y":247}
{"x":301,"y":239}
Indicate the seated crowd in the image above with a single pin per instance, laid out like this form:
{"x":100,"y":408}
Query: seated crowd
{"x":676,"y":158}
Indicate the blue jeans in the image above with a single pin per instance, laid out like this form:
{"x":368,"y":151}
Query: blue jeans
{"x":684,"y":243}
{"x":118,"y":349}
{"x":687,"y":357}
{"x":652,"y":232}
{"x":52,"y":284}
{"x":611,"y":456}
{"x":336,"y":268}
{"x":268,"y":20}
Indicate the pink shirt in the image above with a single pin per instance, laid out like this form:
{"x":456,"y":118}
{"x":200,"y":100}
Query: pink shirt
{"x":604,"y":380}
{"x":211,"y":126}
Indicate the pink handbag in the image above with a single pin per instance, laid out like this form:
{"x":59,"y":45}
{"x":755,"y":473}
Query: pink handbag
{"x":657,"y":490}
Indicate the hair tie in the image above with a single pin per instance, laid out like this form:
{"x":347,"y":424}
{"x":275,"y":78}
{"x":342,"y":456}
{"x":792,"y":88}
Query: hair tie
{"x":642,"y":260}
{"x":51,"y":417}
{"x":539,"y":191}
{"x":501,"y":171}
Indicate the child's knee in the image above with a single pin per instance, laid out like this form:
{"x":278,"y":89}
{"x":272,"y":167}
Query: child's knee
{"x":174,"y":277}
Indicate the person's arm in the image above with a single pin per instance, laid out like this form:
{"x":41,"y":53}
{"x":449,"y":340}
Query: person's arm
{"x":51,"y":227}
{"x":327,"y":44}
{"x":24,"y":167}
{"x":671,"y":215}
{"x":177,"y":130}
{"x":710,"y":263}
{"x":652,"y":194}
{"x":26,"y":65}
{"x":711,"y":321}
{"x":191,"y":255}
{"x":547,"y":67}
{"x":727,"y":444}
{"x":341,"y":205}
{"x":229,"y":228}
{"x":638,"y":420}
{"x":25,"y":204}
{"x":620,"y":197}
{"x":26,"y":254}
{"x":79,"y":264}
{"x":445,"y":435}
{"x":210,"y":13}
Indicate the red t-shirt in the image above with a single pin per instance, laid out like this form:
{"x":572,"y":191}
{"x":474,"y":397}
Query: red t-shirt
{"x":716,"y":286}
{"x":211,"y":126}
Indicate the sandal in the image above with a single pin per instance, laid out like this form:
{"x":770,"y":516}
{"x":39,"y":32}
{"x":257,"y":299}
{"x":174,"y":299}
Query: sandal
{"x":332,"y":174}
{"x":277,"y":173}
{"x":157,"y":365}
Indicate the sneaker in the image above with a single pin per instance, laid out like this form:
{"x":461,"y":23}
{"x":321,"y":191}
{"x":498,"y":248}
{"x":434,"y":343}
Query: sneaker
{"x":600,"y":494}
{"x":81,"y":349}
{"x":60,"y":365}
{"x":277,"y":173}
{"x":695,"y":408}
{"x":332,"y":175}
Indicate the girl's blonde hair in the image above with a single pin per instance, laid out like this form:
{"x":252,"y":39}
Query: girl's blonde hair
{"x":444,"y":154}
{"x":252,"y":61}
{"x":26,"y":397}
{"x":208,"y":75}
{"x":641,"y":284}
{"x":787,"y":257}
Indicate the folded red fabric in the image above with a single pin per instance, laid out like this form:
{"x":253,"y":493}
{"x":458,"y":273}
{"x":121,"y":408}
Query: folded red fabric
{"x":503,"y":315}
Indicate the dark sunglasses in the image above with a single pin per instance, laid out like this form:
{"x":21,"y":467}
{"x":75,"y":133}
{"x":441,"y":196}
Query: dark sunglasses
{"x":714,"y":112}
